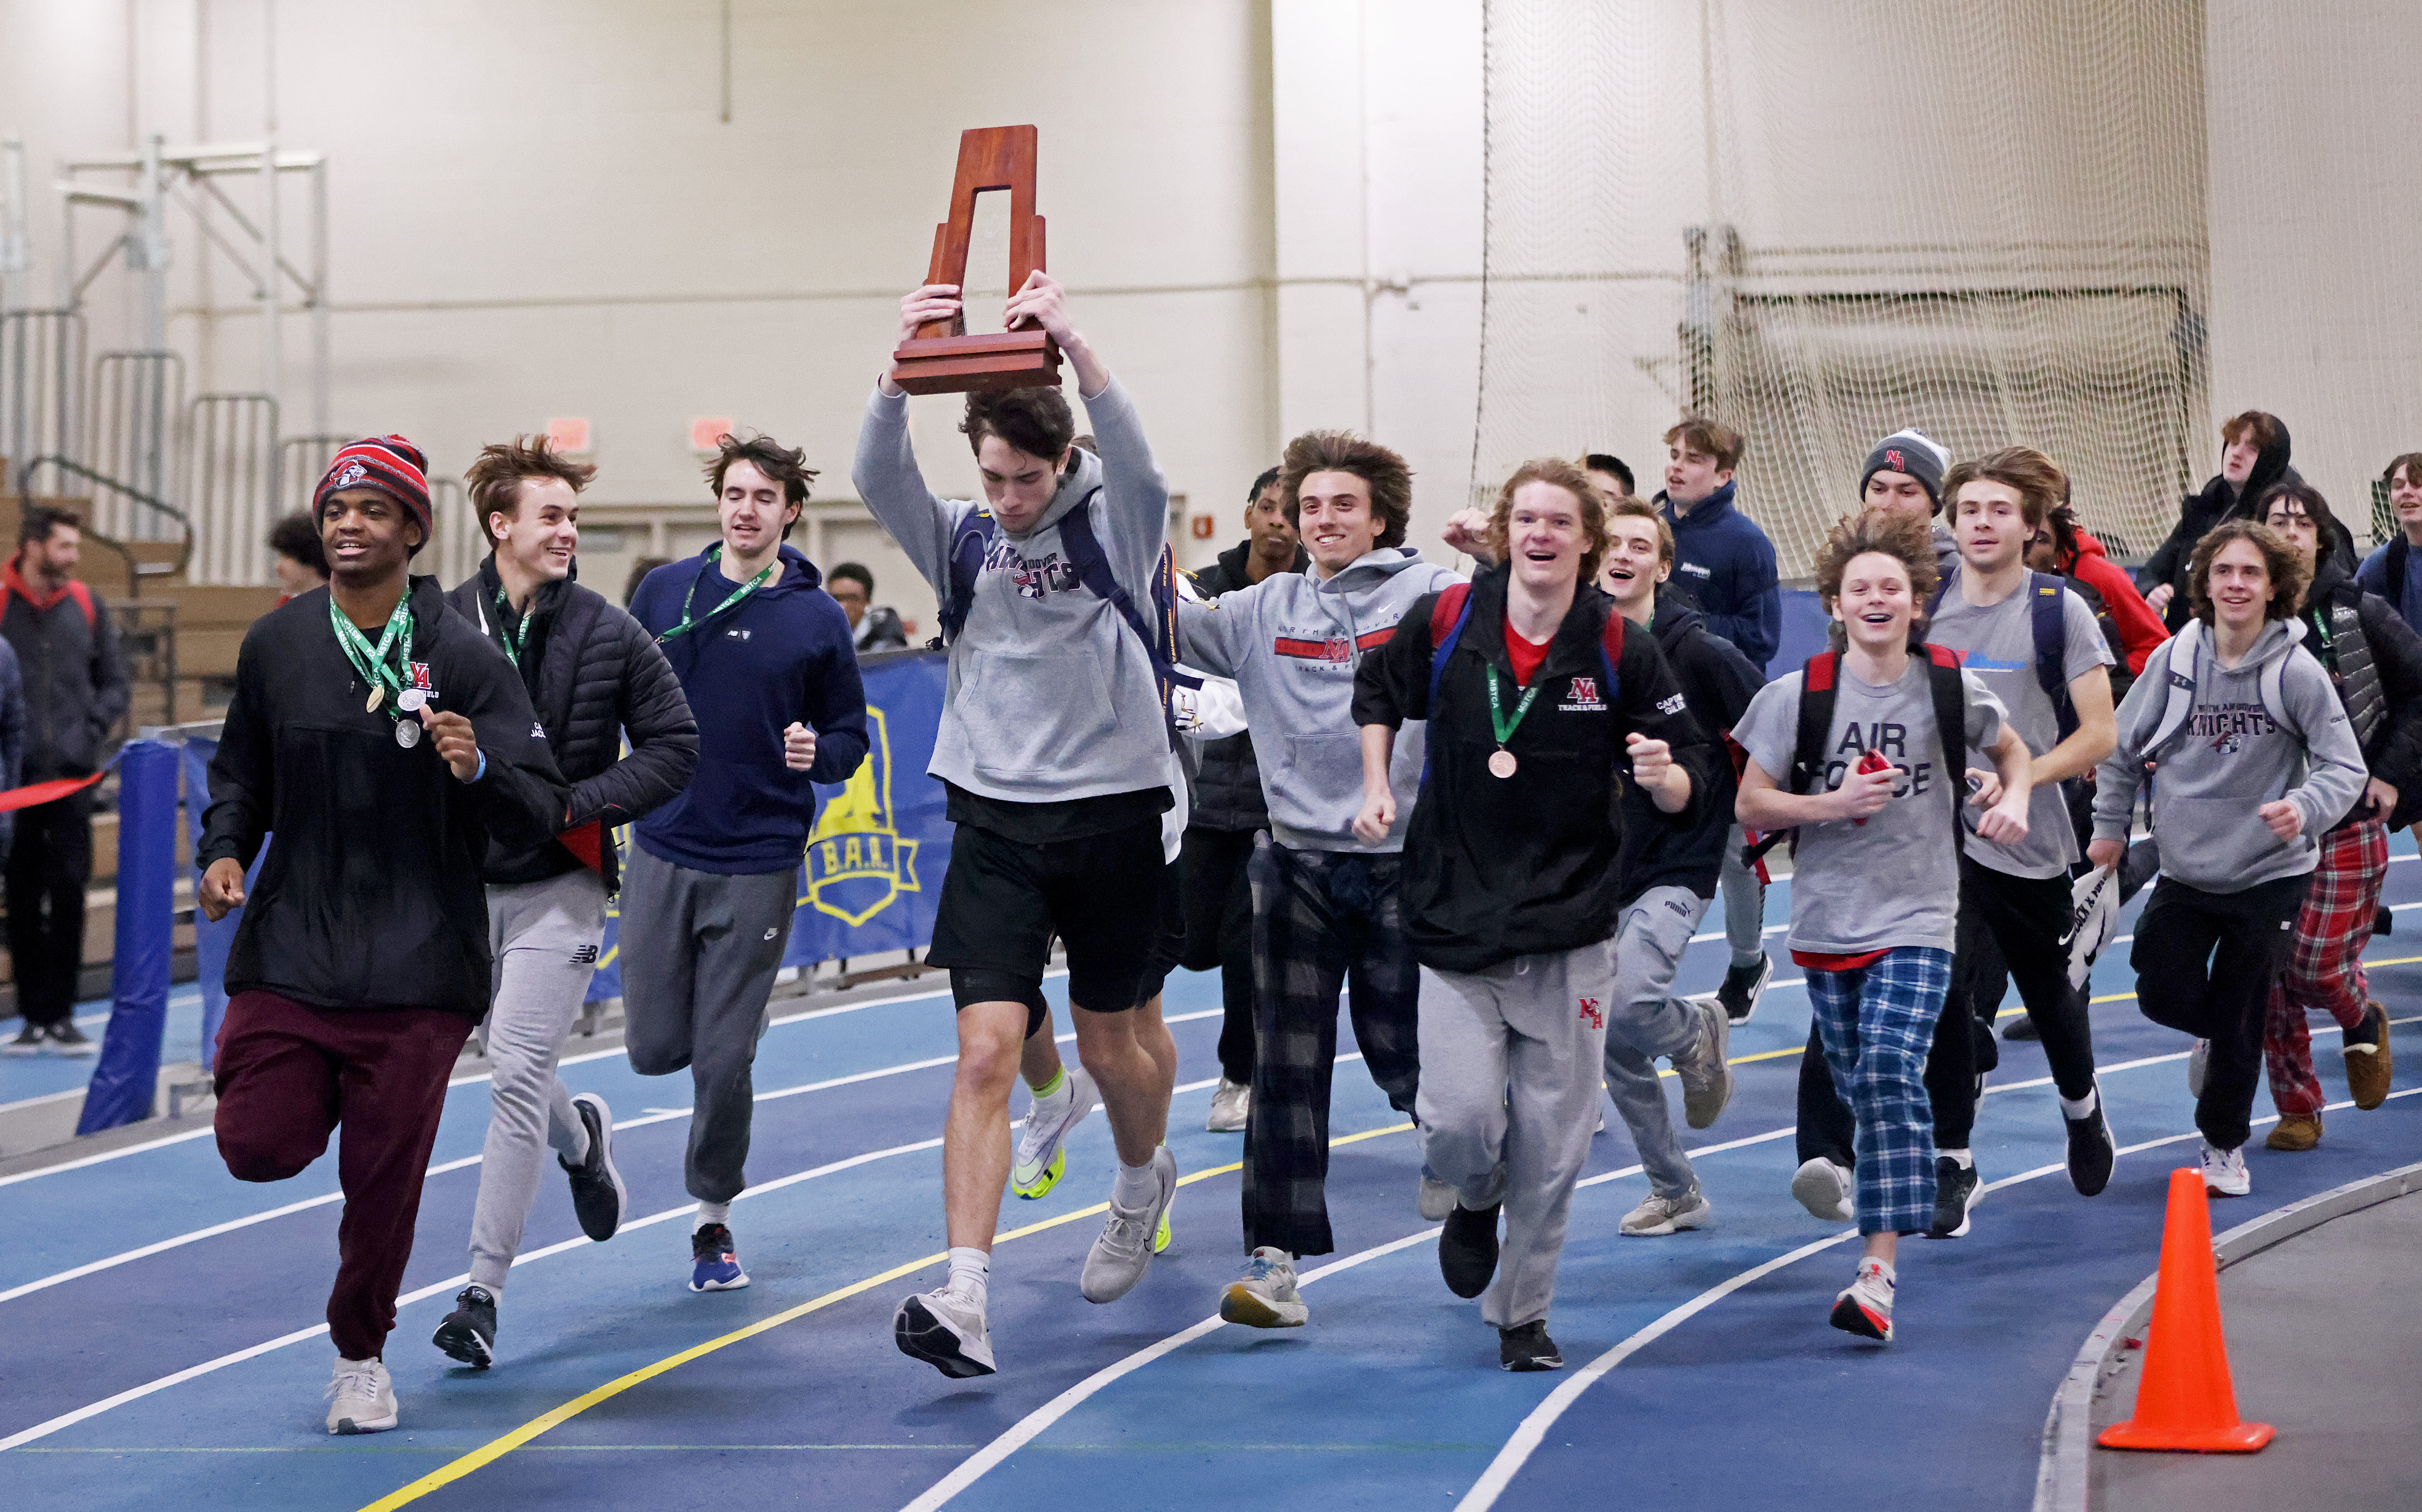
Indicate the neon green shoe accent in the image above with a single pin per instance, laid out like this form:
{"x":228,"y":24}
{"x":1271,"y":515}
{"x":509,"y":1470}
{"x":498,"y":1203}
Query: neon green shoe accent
{"x":1161,"y":1235}
{"x":1044,"y":1183}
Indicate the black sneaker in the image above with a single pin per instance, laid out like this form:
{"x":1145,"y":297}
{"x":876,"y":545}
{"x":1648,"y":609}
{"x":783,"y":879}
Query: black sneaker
{"x":29,"y":1041}
{"x":469,"y":1331}
{"x":2020,"y":1027}
{"x":1743,"y":986}
{"x":67,"y":1039}
{"x":2383,"y":923}
{"x":1957,"y":1189}
{"x":597,"y":1192}
{"x":2091,"y":1151}
{"x":1528,"y":1348}
{"x":1467,"y":1249}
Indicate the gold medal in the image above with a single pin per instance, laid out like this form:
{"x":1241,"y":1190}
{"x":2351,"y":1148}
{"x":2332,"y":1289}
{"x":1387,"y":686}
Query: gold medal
{"x":1502,"y":764}
{"x":378,"y":696}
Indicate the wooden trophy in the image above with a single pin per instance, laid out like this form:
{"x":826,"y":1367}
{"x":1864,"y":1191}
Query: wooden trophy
{"x":941,"y":358}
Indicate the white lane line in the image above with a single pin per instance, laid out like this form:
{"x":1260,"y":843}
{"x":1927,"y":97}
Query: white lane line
{"x":64,"y":1420}
{"x":1028,"y":1427}
{"x":36,"y":1102}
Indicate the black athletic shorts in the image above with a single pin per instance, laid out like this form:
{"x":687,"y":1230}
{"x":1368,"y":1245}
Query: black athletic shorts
{"x":1003,"y":900}
{"x":1168,"y":945}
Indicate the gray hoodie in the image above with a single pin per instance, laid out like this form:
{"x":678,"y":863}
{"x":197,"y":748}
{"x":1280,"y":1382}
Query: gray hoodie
{"x":1051,"y":695}
{"x":1292,"y":642}
{"x":2231,"y":758}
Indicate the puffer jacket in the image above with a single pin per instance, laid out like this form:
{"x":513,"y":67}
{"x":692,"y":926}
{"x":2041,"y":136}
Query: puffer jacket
{"x":2374,"y":659}
{"x":74,"y":677}
{"x":592,"y":674}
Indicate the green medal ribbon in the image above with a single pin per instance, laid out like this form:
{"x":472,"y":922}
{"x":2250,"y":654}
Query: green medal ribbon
{"x":505,"y":626}
{"x":1505,"y":726}
{"x":715,"y":554}
{"x":372,"y":662}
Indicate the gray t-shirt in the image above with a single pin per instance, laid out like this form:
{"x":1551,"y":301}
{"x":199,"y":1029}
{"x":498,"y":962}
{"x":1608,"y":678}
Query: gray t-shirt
{"x":1893,"y":880}
{"x":1998,"y":645}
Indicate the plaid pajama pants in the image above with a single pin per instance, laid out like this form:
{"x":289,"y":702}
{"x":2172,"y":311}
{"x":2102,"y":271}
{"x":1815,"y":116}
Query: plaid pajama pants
{"x":1877,"y":1024}
{"x":1322,"y":920}
{"x":2325,"y":963}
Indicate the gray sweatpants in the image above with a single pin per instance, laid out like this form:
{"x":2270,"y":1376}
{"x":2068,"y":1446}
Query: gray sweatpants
{"x":1744,"y":903}
{"x":1647,"y":1021}
{"x":1510,"y":1061}
{"x":700,"y":951}
{"x":544,"y":937}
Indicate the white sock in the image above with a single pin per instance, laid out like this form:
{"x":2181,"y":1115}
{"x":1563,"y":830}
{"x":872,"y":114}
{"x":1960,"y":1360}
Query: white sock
{"x":1966,"y":1160}
{"x":1136,"y":1187}
{"x":971,"y":1274}
{"x":1883,"y":1268}
{"x":2082,"y":1108}
{"x":711,"y":1213}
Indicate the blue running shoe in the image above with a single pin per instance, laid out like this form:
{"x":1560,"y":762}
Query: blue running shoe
{"x":714,"y":1266}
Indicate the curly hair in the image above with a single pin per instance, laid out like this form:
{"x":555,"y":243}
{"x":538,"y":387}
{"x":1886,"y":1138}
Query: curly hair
{"x":2289,"y":574}
{"x":1597,"y":540}
{"x":496,"y":476}
{"x":1383,"y":472}
{"x":1907,"y":538}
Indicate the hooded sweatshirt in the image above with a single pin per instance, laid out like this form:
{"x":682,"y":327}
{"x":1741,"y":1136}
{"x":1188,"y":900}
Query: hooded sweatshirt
{"x":1051,"y":695}
{"x":749,"y":670}
{"x":2139,"y":629}
{"x":2231,"y":758}
{"x":1725,"y":563}
{"x":2198,"y":512}
{"x":1292,"y":641}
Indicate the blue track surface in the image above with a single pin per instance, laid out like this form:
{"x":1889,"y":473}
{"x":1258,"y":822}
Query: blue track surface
{"x":1389,"y":1399}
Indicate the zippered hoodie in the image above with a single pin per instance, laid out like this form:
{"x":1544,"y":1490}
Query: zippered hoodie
{"x":1292,"y":641}
{"x":2231,"y":758}
{"x":1051,"y":696}
{"x":782,"y":654}
{"x":1726,"y":564}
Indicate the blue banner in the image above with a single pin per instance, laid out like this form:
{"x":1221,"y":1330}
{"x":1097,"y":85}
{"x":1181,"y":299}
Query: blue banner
{"x":212,"y":942}
{"x":872,"y":872}
{"x":127,"y":1079}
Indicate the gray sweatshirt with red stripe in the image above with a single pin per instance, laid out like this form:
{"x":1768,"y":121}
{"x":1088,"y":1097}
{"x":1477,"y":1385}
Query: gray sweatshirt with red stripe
{"x":1292,"y":642}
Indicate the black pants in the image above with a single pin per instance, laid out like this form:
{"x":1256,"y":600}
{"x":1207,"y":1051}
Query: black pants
{"x":47,"y":873}
{"x":2010,"y":929}
{"x":2206,"y":963}
{"x":1218,"y":905}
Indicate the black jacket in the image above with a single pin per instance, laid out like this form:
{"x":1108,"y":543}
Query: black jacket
{"x":879,"y":630}
{"x":1719,"y":682}
{"x":2200,"y":512}
{"x":2381,"y":661}
{"x":592,"y":674}
{"x":75,"y":680}
{"x":1227,"y":793}
{"x":1500,"y":867}
{"x":371,"y":896}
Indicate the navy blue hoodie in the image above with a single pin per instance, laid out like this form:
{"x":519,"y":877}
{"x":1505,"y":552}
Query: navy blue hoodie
{"x":781,"y":654}
{"x":1726,"y":564}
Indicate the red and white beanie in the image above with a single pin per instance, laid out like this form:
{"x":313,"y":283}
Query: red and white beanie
{"x":390,"y":464}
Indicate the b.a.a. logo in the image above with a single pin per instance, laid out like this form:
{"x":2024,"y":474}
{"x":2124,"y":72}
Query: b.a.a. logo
{"x":857,"y":861}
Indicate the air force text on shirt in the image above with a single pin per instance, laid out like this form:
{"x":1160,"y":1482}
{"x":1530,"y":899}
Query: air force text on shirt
{"x":1887,"y":740}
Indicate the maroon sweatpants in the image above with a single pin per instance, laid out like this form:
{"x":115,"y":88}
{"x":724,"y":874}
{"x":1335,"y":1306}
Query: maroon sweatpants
{"x":287,"y":1074}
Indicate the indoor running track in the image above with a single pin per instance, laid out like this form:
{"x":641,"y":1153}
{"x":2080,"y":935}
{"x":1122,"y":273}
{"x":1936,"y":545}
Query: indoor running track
{"x":164,"y":1344}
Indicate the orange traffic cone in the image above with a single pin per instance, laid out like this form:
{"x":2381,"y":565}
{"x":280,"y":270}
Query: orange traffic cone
{"x":2186,"y":1400}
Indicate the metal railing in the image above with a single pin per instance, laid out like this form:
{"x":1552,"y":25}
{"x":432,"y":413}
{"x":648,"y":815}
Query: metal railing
{"x":135,"y":571}
{"x":233,"y":461}
{"x":42,"y":366}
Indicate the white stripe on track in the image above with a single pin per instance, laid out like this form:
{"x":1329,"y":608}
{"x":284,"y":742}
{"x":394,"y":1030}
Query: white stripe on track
{"x":64,"y":1420}
{"x":1028,"y":1427}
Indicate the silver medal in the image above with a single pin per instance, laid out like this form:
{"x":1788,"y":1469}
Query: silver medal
{"x":410,"y":699}
{"x":407,"y":733}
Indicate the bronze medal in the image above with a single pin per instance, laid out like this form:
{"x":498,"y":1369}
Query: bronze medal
{"x":1502,"y":764}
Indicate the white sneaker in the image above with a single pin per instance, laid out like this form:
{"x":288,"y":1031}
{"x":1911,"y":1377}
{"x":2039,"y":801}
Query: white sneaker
{"x":1825,"y":1190}
{"x":1865,"y":1307}
{"x":1706,"y":1078}
{"x":2224,"y":1174}
{"x":2198,"y":1062}
{"x":946,"y":1331}
{"x":1437,"y":1200}
{"x":1231,"y":1103}
{"x":1265,"y":1295}
{"x":1040,"y":1155}
{"x":1124,"y":1253}
{"x":364,"y":1397}
{"x":1657,"y":1216}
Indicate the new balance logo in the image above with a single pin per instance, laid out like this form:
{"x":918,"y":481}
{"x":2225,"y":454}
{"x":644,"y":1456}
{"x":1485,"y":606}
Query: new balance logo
{"x":584,"y":956}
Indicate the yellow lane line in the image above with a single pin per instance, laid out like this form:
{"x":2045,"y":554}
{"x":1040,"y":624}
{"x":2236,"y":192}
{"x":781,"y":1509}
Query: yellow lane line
{"x":2131,"y":997}
{"x":498,"y":1448}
